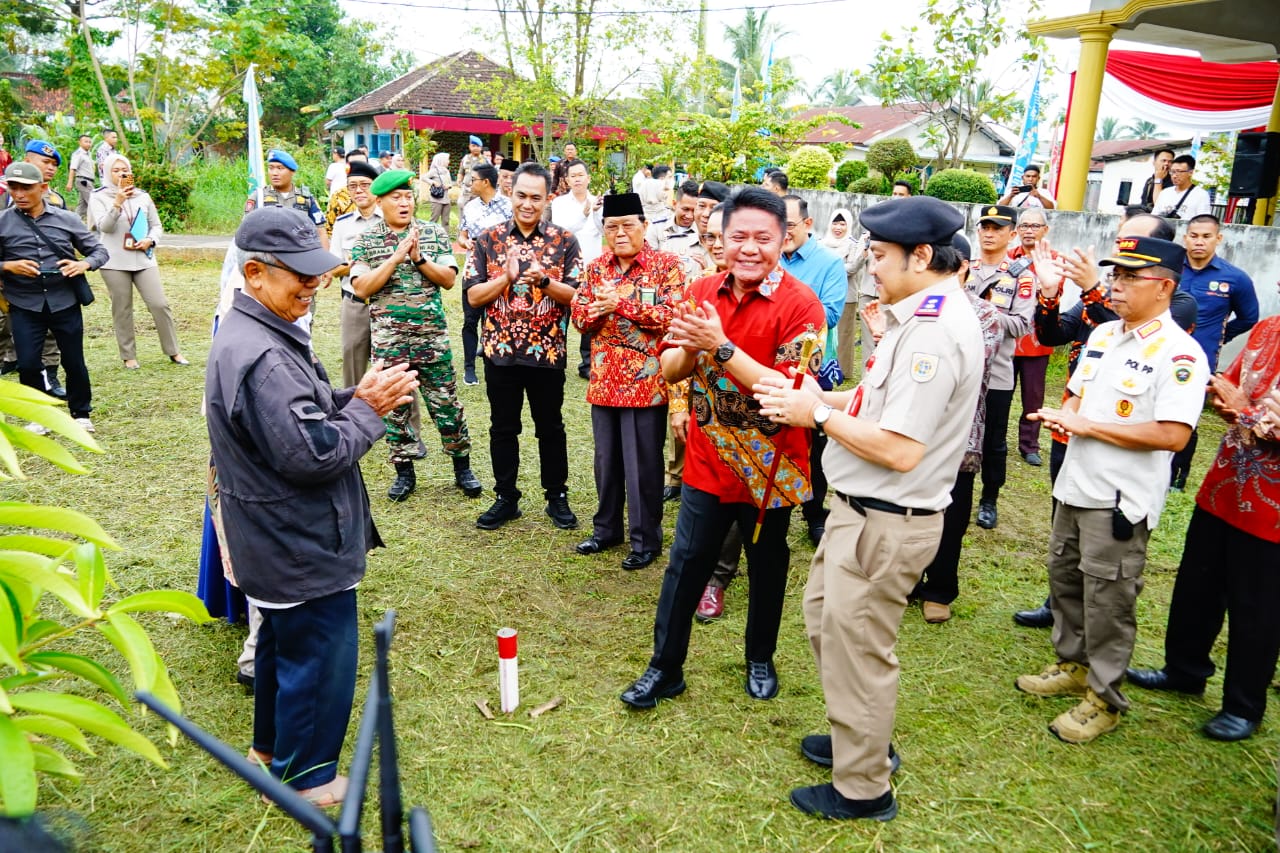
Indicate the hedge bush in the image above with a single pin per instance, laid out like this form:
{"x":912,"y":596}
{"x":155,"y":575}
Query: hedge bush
{"x":808,"y":168}
{"x":169,"y":189}
{"x":849,"y":171}
{"x":873,"y":184}
{"x":962,"y":185}
{"x":891,"y":156}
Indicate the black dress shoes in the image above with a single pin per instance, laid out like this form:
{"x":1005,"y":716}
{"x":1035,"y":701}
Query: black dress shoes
{"x":594,"y":545}
{"x":826,"y":802}
{"x":245,"y":680}
{"x":987,"y":515}
{"x":1039,"y":617}
{"x":1159,"y":679}
{"x":817,"y":748}
{"x":816,"y":531}
{"x":652,"y":686}
{"x":671,"y":493}
{"x":762,"y":680}
{"x":1229,"y":727}
{"x":638,"y":560}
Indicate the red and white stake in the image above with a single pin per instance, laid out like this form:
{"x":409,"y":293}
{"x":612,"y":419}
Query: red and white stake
{"x":508,"y":671}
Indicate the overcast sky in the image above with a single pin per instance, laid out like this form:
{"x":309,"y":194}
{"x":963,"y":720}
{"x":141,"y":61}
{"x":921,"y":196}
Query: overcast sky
{"x":824,"y":34}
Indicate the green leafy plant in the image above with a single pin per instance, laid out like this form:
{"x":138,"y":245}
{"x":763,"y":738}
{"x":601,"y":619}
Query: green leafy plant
{"x":912,"y":179}
{"x":891,"y":156}
{"x":169,"y":189}
{"x":848,"y":172}
{"x":51,"y":590}
{"x":873,"y":183}
{"x":962,"y":185}
{"x":809,"y":166}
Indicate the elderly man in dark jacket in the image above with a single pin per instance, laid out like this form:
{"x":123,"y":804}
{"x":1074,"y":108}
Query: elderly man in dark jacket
{"x":287,"y":448}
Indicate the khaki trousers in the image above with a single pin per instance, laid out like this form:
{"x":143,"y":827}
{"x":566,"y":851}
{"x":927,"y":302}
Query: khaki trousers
{"x":849,"y":328}
{"x":120,"y":285}
{"x":861,"y":575}
{"x":354,"y":331}
{"x":1094,"y":582}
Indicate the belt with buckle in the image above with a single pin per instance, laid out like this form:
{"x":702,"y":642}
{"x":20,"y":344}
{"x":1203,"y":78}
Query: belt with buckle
{"x":861,"y":505}
{"x":347,"y":294}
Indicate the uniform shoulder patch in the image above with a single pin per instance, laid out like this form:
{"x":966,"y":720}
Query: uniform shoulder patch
{"x":931,"y":306}
{"x":1183,"y":356}
{"x":1024,"y":289}
{"x":924,"y":366}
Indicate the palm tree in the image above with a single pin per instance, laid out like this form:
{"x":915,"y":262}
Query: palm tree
{"x":1108,"y":129}
{"x":840,"y":88}
{"x":1143,"y":129}
{"x":749,"y":43}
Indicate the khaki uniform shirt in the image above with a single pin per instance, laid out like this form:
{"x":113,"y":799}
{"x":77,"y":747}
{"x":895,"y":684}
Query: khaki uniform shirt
{"x":346,"y":230}
{"x":1016,"y":299}
{"x":1156,"y":372}
{"x":922,"y":383}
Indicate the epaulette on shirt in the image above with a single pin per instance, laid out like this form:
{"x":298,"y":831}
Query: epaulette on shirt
{"x":347,"y":215}
{"x":931,"y":306}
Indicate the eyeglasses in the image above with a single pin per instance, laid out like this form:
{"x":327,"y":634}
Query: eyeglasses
{"x":303,"y":279}
{"x":791,"y":226}
{"x":1179,"y":171}
{"x":711,"y":239}
{"x":1031,"y":226}
{"x":359,"y":185}
{"x":1129,"y":278}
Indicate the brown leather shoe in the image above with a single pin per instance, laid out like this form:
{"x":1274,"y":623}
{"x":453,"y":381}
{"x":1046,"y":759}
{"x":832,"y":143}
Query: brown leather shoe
{"x":711,"y":607}
{"x":935,"y":612}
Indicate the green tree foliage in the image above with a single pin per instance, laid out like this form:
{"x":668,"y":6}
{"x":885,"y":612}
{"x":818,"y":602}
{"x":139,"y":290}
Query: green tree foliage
{"x":1108,"y":129}
{"x":840,"y":88}
{"x":808,"y":168}
{"x":873,"y":183}
{"x":962,"y":185}
{"x":169,"y":188}
{"x":848,"y":172}
{"x":53,"y":589}
{"x":944,"y":78}
{"x":890,"y":156}
{"x":1143,"y":129}
{"x":749,"y":46}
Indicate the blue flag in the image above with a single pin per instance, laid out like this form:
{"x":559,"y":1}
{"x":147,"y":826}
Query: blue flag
{"x":1030,"y":139}
{"x":737,"y":95}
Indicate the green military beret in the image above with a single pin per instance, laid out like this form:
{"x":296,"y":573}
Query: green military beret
{"x":392,"y":179}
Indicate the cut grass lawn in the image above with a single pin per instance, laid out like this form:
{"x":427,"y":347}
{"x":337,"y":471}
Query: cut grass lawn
{"x":709,"y":771}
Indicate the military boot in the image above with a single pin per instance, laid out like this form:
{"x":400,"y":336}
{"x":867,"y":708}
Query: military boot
{"x":464,"y":478}
{"x":406,"y":482}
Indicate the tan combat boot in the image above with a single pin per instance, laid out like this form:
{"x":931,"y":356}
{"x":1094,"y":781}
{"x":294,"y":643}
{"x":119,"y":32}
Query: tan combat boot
{"x":1084,"y":722}
{"x":1063,"y":678}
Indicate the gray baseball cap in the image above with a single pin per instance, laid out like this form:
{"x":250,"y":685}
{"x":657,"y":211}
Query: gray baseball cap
{"x":23,"y":173}
{"x":287,"y":234}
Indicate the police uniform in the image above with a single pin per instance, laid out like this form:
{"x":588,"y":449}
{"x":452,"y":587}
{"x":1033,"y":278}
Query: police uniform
{"x":1010,"y":287}
{"x":1109,"y":497}
{"x":884,"y":526}
{"x":408,"y":325}
{"x":469,"y":161}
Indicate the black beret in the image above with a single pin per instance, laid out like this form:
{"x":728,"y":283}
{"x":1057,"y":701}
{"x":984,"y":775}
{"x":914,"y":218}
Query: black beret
{"x":912,"y":221}
{"x":960,"y":243}
{"x":361,"y":169}
{"x":713,"y":190}
{"x":622,"y":204}
{"x":1135,"y":253}
{"x":999,"y":214}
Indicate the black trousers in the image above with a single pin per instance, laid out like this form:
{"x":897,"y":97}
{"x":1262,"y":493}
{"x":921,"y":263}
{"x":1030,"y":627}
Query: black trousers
{"x":700,"y":531}
{"x":1225,"y":570}
{"x":1180,"y":467}
{"x":941,"y":580}
{"x":995,"y":444}
{"x":507,"y":388}
{"x":813,"y":510}
{"x":470,"y":332}
{"x":584,"y":351}
{"x":628,"y":468}
{"x":67,"y":326}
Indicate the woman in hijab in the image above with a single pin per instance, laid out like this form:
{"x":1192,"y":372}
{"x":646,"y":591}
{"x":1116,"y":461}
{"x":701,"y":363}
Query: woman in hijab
{"x":438,"y":183}
{"x":127,"y":223}
{"x":839,"y":239}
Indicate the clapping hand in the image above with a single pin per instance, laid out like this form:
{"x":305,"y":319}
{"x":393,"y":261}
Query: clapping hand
{"x":606,"y":301}
{"x":874,"y":319}
{"x":387,"y":388}
{"x":1081,"y":266}
{"x":1227,"y":398}
{"x":697,"y":329}
{"x":1047,"y":270}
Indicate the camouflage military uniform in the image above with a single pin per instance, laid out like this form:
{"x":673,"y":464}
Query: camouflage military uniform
{"x":408,"y":325}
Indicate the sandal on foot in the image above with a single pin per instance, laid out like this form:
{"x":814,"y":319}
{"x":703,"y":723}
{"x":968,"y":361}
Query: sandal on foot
{"x":262,"y":758}
{"x":178,"y":359}
{"x":131,"y":364}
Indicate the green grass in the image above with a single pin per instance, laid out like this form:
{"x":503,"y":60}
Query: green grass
{"x":709,"y":771}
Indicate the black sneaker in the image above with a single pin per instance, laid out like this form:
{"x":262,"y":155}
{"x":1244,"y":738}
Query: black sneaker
{"x":817,"y":748}
{"x":469,"y":376}
{"x":826,"y":802}
{"x":560,"y":514}
{"x":504,"y":509}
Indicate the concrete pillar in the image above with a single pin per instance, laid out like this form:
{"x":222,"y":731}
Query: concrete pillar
{"x":1077,"y":149}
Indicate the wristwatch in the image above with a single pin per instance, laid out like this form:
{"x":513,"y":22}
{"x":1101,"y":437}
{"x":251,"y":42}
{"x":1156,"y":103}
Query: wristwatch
{"x":724,"y":352}
{"x":545,"y":282}
{"x":820,"y":416}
